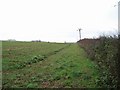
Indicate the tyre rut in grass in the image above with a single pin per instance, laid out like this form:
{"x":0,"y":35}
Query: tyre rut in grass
{"x":38,"y":58}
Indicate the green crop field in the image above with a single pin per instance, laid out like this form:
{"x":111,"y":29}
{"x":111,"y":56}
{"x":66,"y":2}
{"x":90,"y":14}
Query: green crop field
{"x":47,"y":65}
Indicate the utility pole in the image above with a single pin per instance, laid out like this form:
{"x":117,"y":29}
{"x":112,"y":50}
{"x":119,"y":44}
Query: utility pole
{"x":79,"y":32}
{"x":119,"y":19}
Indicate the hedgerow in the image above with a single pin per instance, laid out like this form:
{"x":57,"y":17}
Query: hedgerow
{"x":104,"y":51}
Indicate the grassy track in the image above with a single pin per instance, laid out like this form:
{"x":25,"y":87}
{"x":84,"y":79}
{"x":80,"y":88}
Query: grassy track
{"x":67,"y":67}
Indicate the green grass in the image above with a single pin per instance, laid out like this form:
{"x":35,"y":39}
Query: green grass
{"x":66,"y":67}
{"x":16,"y":54}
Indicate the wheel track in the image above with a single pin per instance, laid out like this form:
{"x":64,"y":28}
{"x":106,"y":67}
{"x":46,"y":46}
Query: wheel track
{"x":37,"y":59}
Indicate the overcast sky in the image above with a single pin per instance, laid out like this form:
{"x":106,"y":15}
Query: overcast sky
{"x":57,"y":20}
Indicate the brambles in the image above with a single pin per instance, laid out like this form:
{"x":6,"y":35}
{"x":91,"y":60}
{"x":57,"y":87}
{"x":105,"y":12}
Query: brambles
{"x":104,"y":51}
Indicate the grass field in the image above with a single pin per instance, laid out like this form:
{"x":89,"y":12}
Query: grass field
{"x":47,"y":65}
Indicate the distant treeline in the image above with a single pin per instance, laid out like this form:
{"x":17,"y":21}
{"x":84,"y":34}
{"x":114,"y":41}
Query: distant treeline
{"x":11,"y":40}
{"x":104,"y":52}
{"x":36,"y":40}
